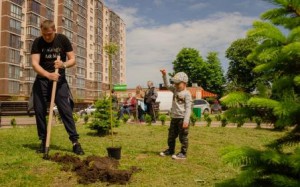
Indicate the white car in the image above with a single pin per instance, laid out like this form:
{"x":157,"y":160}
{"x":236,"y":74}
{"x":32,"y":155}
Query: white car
{"x":88,"y":111}
{"x":203,"y":104}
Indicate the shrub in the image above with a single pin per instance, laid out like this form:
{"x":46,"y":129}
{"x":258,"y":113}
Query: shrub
{"x":76,"y":117}
{"x":218,"y":117}
{"x":101,"y":120}
{"x":13,"y":122}
{"x":258,"y":122}
{"x":193,"y":119}
{"x":224,"y":121}
{"x":86,"y":118}
{"x":163,"y":118}
{"x":125,"y":118}
{"x":208,"y":119}
{"x":148,"y":119}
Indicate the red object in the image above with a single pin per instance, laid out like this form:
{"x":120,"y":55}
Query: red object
{"x":204,"y":94}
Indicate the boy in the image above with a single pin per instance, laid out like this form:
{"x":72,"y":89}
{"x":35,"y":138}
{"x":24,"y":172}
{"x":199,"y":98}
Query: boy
{"x":180,"y":113}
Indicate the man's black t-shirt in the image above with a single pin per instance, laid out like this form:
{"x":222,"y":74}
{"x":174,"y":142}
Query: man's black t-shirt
{"x":49,"y":51}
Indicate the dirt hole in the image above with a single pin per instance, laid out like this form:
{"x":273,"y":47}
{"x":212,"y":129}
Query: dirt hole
{"x":94,"y":169}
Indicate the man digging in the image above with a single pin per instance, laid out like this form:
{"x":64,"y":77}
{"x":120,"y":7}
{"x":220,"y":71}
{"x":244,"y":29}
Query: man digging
{"x":44,"y":52}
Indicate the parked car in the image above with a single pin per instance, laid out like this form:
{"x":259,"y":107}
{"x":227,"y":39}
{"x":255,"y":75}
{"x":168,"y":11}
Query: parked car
{"x":88,"y":111}
{"x":216,"y":108}
{"x":203,"y":104}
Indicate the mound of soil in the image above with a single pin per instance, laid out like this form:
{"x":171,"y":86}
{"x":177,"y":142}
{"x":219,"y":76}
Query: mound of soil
{"x":95,"y":168}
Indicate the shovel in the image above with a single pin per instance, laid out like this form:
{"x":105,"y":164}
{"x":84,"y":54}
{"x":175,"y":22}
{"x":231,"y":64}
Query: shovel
{"x":46,"y":154}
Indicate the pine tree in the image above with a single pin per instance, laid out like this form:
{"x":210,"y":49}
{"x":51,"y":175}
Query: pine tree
{"x":277,"y":57}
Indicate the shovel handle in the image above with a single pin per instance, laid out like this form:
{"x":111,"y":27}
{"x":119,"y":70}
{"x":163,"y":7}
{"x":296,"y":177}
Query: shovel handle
{"x":51,"y":112}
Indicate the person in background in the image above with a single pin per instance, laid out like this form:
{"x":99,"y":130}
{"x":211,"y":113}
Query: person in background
{"x":180,"y":114}
{"x":44,"y":52}
{"x":150,"y":99}
{"x":139,"y":95}
{"x":129,"y":104}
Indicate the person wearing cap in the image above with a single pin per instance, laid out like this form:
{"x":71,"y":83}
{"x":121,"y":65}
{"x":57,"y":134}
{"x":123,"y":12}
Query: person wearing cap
{"x":180,"y":114}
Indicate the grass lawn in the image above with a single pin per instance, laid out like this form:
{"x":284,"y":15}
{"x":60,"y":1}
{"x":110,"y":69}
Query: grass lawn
{"x":21,"y":166}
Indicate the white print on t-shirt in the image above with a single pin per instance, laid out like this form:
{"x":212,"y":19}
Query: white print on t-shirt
{"x":51,"y":53}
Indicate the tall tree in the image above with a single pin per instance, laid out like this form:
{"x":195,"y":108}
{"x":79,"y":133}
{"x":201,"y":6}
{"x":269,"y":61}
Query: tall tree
{"x":240,"y":74}
{"x":189,"y":61}
{"x":207,"y":74}
{"x":216,"y":80}
{"x":277,"y":56}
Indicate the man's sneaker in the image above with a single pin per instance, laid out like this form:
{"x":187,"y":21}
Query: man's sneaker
{"x":77,"y":149}
{"x":41,"y":148}
{"x":166,"y":153}
{"x":179,"y":156}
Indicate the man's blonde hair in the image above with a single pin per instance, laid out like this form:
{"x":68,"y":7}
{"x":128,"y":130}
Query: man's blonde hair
{"x":47,"y":24}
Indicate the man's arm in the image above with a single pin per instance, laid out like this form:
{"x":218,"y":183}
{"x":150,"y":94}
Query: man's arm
{"x":69,"y":63}
{"x":35,"y":58}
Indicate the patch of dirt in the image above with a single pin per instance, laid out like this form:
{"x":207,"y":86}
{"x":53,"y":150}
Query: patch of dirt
{"x":94,"y":168}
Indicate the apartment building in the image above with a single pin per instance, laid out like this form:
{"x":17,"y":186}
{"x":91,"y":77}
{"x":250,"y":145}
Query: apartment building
{"x":89,"y":25}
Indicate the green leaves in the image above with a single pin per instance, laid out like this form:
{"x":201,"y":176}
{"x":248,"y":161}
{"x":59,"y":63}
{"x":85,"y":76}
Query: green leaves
{"x":235,"y":99}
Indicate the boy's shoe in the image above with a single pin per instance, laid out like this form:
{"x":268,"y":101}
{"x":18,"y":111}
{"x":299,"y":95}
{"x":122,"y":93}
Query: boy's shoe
{"x":77,"y":149}
{"x":166,"y":153}
{"x":41,"y":148}
{"x":179,"y":156}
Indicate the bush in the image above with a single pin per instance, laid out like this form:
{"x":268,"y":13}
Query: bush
{"x":208,"y":119}
{"x":163,"y":118}
{"x":125,"y":118}
{"x":13,"y":122}
{"x":218,"y":117}
{"x":224,"y":121}
{"x":101,"y":120}
{"x":76,"y":117}
{"x":258,"y":122}
{"x":148,"y":119}
{"x":86,"y":118}
{"x":193,"y":119}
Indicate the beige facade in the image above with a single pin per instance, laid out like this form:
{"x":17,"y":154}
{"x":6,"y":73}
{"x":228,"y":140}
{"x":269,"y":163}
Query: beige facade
{"x":88,"y":24}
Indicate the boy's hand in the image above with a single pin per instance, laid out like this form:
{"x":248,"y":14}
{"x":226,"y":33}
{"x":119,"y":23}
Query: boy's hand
{"x":163,"y":71}
{"x":185,"y":125}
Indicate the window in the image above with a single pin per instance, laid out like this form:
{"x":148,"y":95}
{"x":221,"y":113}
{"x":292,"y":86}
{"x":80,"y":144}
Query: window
{"x":34,"y":6}
{"x":69,"y":80}
{"x":68,"y":13}
{"x":14,"y":41}
{"x":50,"y":14}
{"x":15,"y":11}
{"x":69,"y":3}
{"x":30,"y":75}
{"x":91,"y":10}
{"x":91,"y":75}
{"x":68,"y":24}
{"x":13,"y":87}
{"x":81,"y":51}
{"x":33,"y":31}
{"x":80,"y":62}
{"x":82,"y":11}
{"x":91,"y":19}
{"x":13,"y":72}
{"x":81,"y":31}
{"x":81,"y":20}
{"x":80,"y":41}
{"x":80,"y":83}
{"x":68,"y":34}
{"x":19,"y":2}
{"x":91,"y":37}
{"x":15,"y":26}
{"x":14,"y":56}
{"x":33,"y":19}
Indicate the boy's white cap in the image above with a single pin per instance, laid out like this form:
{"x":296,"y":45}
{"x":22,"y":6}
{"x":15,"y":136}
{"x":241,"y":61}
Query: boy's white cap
{"x":180,"y":77}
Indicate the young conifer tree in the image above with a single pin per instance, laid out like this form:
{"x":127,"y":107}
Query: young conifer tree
{"x":278,"y":58}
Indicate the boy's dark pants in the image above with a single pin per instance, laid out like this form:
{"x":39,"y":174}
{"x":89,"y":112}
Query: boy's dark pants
{"x":175,"y":130}
{"x":42,"y":88}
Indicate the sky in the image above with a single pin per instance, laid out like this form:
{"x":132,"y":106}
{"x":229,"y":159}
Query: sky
{"x":158,"y":29}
